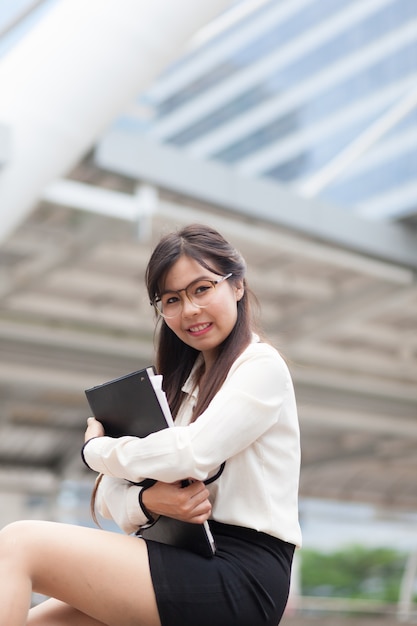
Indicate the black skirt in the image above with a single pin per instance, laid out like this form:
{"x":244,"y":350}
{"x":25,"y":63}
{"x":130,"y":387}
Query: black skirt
{"x":246,"y":583}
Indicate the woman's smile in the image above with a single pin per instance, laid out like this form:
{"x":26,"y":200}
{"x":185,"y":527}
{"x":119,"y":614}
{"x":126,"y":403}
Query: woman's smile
{"x":199,"y":329}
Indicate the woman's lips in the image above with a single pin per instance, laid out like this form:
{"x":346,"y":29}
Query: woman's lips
{"x":199,"y":329}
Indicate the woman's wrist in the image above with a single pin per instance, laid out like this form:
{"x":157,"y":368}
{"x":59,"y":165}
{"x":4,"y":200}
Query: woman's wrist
{"x":83,"y":451}
{"x":152,"y":517}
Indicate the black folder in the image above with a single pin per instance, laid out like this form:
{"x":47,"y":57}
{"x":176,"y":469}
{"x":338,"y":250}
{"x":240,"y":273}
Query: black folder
{"x":129,"y":405}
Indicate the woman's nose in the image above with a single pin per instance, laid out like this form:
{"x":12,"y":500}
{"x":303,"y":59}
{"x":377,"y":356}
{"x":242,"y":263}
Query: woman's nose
{"x":188,"y":307}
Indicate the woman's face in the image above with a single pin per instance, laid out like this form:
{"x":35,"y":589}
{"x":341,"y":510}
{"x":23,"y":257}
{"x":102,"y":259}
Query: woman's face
{"x":202,"y":328}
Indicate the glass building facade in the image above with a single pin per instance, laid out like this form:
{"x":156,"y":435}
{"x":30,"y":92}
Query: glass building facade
{"x":282,"y":89}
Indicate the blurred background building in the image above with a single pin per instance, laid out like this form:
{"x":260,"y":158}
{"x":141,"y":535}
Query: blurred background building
{"x":284,"y":90}
{"x":291,"y":125}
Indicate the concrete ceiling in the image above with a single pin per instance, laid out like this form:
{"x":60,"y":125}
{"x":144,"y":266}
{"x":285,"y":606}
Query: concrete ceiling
{"x":73,"y":313}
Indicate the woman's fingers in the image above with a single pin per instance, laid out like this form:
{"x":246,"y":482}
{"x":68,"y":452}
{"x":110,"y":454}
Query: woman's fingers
{"x":94,"y":429}
{"x":190,"y":503}
{"x":197,"y":504}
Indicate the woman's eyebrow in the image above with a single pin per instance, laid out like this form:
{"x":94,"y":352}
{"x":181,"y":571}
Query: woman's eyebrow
{"x":204,"y":277}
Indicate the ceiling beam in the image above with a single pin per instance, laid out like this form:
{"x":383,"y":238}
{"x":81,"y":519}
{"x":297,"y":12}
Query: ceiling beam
{"x":145,"y":203}
{"x":218,"y":185}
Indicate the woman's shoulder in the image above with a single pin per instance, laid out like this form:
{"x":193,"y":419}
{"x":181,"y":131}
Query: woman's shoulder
{"x":260,"y":361}
{"x":260,"y":350}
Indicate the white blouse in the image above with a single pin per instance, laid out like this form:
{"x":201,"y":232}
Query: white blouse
{"x":251,"y":423}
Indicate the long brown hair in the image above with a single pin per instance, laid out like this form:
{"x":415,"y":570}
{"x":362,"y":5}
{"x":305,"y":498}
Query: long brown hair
{"x":175,"y":359}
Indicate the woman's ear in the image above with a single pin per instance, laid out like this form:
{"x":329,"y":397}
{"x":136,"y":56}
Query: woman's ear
{"x":240,"y":290}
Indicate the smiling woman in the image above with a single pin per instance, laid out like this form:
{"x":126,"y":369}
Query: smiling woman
{"x":233,"y":402}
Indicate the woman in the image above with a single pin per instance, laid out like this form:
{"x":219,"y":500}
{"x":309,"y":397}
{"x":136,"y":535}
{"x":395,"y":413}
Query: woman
{"x":232,"y":399}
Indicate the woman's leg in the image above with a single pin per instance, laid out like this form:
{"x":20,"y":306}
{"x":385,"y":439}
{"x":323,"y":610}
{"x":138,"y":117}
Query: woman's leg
{"x":103,"y":575}
{"x":56,"y":613}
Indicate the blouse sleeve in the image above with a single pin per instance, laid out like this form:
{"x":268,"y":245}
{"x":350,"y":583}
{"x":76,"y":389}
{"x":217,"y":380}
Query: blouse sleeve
{"x":118,"y":500}
{"x":248,"y":404}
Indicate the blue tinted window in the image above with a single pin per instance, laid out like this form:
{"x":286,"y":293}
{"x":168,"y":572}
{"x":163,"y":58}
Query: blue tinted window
{"x":270,"y":40}
{"x":374,"y":78}
{"x":388,"y":70}
{"x":317,"y":155}
{"x":374,"y":182}
{"x":195,"y":88}
{"x":348,"y":42}
{"x":219,"y":116}
{"x":316,"y":109}
{"x":309,"y":17}
{"x":292,"y":168}
{"x":361,"y":34}
{"x":264,"y":136}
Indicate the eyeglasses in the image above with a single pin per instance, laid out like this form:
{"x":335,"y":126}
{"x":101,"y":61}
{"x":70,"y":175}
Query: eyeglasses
{"x":200,"y":293}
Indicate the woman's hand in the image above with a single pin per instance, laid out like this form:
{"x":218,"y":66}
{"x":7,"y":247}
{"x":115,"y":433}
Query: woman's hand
{"x":94,"y":429}
{"x":188,"y":504}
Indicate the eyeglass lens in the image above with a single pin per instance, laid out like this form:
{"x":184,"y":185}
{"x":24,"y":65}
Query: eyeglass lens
{"x":199,"y":293}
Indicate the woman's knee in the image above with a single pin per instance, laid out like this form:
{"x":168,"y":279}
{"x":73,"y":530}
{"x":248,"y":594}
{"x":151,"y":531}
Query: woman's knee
{"x":15,"y":540}
{"x":10,"y":535}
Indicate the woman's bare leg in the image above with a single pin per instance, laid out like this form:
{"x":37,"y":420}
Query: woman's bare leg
{"x":101,"y":575}
{"x":56,"y":613}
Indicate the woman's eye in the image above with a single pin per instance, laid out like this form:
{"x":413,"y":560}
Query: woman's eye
{"x":201,"y":288}
{"x":169,"y":300}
